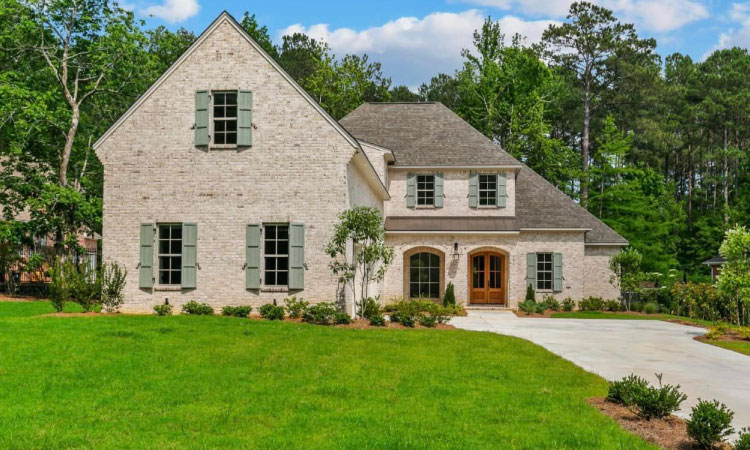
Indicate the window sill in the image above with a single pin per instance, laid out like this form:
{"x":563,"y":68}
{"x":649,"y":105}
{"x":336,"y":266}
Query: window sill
{"x":274,"y":289}
{"x":224,"y":147}
{"x":167,"y":288}
{"x":425,"y":207}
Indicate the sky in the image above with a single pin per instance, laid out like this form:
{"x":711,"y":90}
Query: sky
{"x":417,"y":39}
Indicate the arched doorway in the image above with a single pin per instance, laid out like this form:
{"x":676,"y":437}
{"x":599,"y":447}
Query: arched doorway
{"x":487,"y":278}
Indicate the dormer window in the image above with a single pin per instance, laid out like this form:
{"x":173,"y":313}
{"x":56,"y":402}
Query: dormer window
{"x":225,"y":118}
{"x":425,"y":190}
{"x":487,"y":190}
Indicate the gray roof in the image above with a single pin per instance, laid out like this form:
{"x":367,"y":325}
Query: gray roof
{"x":715,"y":261}
{"x":430,"y":134}
{"x":424,"y":134}
{"x":539,"y":204}
{"x":451,"y":223}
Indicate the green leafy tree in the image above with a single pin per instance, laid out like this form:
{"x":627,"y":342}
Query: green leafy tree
{"x":626,"y":267}
{"x":402,"y":94}
{"x":360,"y":233}
{"x":441,"y":88}
{"x":260,"y":34}
{"x":734,"y":279}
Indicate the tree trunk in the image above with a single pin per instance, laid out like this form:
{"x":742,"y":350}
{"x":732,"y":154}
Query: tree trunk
{"x":69,"y":139}
{"x":585,"y":142}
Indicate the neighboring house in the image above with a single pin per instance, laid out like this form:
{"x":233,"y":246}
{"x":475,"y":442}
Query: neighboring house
{"x":715,"y":263}
{"x":223,"y":183}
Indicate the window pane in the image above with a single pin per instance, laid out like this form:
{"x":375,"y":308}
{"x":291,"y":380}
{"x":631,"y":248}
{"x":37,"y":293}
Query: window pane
{"x":270,"y":231}
{"x":282,"y":247}
{"x":231,"y":98}
{"x":219,"y":126}
{"x":281,"y":278}
{"x":231,"y":111}
{"x":282,"y":263}
{"x":218,"y":98}
{"x":270,"y":263}
{"x":163,"y":246}
{"x":270,"y":278}
{"x":231,"y":125}
{"x":163,"y":277}
{"x":218,"y":111}
{"x":231,"y":138}
{"x":270,"y":247}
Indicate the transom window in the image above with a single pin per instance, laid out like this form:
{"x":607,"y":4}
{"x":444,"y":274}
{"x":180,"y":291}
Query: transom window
{"x":487,"y":190}
{"x":425,"y":190}
{"x":544,"y":271}
{"x":276,"y":254}
{"x":170,"y":254}
{"x":424,"y":275}
{"x":225,"y":117}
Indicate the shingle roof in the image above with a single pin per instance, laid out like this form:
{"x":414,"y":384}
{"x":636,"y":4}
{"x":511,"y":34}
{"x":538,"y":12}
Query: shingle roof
{"x":539,"y":204}
{"x":451,"y":223}
{"x":424,"y":134}
{"x":429,"y":134}
{"x":715,"y":261}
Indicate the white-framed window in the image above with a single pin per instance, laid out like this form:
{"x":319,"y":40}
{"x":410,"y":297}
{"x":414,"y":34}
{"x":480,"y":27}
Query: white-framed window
{"x":424,"y":275}
{"x":170,"y":254}
{"x":487,"y":190}
{"x":425,"y":190}
{"x":544,"y":271}
{"x":276,"y":254}
{"x":224,"y":117}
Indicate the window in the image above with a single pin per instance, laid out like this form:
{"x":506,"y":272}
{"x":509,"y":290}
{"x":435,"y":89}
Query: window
{"x":425,"y":190}
{"x":170,"y":254}
{"x":544,"y":271}
{"x":276,"y":255}
{"x":424,"y":275}
{"x":487,"y":190}
{"x":225,"y":118}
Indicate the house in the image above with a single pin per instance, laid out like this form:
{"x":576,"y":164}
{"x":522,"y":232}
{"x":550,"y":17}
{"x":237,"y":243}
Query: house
{"x":715,"y":263}
{"x":223,"y":182}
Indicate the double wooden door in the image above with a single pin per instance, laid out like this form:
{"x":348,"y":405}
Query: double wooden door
{"x":487,"y":278}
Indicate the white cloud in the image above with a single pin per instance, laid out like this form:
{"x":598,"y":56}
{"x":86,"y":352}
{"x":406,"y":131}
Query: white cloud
{"x":173,"y":11}
{"x":652,"y":15}
{"x":740,"y":13}
{"x":413,"y":49}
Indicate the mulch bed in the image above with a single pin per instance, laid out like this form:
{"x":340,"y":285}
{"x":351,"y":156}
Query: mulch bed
{"x":729,"y":335}
{"x":669,"y":433}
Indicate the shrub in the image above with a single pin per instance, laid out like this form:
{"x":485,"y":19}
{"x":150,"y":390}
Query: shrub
{"x":715,"y":332}
{"x":271,"y":312}
{"x":58,"y":287}
{"x":236,"y":311}
{"x":113,"y":283}
{"x":322,"y":314}
{"x":449,"y":299}
{"x":709,"y":423}
{"x":341,"y":318}
{"x":370,"y":307}
{"x":197,"y":309}
{"x":744,"y":333}
{"x":612,"y":305}
{"x":591,"y":304}
{"x":530,"y":294}
{"x":550,"y":302}
{"x":659,"y":402}
{"x":427,"y":321}
{"x":442,"y":314}
{"x":406,"y":320}
{"x":528,"y":306}
{"x":743,"y":441}
{"x":377,"y":321}
{"x":651,"y":308}
{"x":568,"y":304}
{"x":163,"y":310}
{"x":295,"y":308}
{"x":84,"y":286}
{"x":636,"y":306}
{"x":627,"y":390}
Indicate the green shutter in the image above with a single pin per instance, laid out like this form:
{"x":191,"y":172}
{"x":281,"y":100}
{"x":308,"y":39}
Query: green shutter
{"x":296,"y":256}
{"x":473,"y":190}
{"x":201,"y":118}
{"x":411,"y":190}
{"x":558,"y":272}
{"x":245,"y":118}
{"x":531,"y":270}
{"x":501,"y":193}
{"x":252,"y":257}
{"x":189,"y":255}
{"x":439,"y":190}
{"x":146,"y":266}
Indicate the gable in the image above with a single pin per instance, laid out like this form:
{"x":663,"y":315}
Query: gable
{"x":225,"y":42}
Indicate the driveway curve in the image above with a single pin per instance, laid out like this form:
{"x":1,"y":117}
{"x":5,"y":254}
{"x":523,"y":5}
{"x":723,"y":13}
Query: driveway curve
{"x":616,"y":348}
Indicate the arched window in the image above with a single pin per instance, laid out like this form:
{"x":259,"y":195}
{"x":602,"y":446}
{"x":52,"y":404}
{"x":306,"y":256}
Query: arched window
{"x":424,"y":275}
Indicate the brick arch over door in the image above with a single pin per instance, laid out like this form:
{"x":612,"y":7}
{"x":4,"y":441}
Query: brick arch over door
{"x":407,"y":268}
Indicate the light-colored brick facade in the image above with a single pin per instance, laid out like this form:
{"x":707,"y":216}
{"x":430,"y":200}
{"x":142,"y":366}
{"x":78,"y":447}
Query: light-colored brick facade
{"x":301,"y":168}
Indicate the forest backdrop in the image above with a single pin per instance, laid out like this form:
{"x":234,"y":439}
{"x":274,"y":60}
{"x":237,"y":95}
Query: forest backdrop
{"x":656,"y":146}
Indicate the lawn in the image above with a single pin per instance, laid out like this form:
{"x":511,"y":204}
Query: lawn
{"x":202,"y":382}
{"x":737,"y":346}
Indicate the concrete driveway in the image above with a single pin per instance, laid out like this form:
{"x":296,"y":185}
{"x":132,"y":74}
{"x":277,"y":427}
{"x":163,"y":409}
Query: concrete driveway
{"x":616,"y":348}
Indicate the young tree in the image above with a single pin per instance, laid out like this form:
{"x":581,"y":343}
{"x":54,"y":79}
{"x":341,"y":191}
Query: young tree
{"x":358,"y":250}
{"x":626,"y":266}
{"x":592,"y":45}
{"x":734,"y":279}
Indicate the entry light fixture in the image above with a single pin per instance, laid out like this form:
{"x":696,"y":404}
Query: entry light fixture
{"x":455,"y":251}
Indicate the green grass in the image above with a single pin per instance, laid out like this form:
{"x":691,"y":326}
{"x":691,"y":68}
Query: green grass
{"x":604,"y":315}
{"x":737,"y":346}
{"x":205,"y":382}
{"x":25,"y":309}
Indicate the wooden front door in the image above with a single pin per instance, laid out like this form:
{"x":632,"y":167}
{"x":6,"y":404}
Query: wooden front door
{"x":487,"y":278}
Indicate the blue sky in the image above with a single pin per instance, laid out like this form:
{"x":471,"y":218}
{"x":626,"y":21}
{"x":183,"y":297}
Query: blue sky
{"x":416,"y":39}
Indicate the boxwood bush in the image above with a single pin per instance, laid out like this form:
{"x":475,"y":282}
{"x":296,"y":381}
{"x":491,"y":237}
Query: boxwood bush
{"x":197,"y":309}
{"x":236,"y":311}
{"x":627,"y":390}
{"x":709,"y":423}
{"x":271,"y":312}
